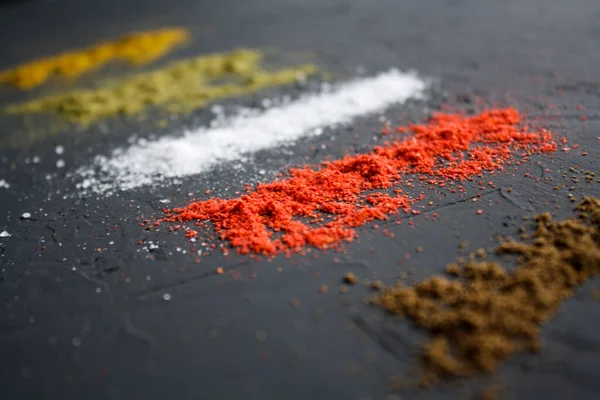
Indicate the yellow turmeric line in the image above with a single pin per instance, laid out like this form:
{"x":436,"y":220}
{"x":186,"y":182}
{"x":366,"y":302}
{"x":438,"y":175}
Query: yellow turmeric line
{"x":137,"y":49}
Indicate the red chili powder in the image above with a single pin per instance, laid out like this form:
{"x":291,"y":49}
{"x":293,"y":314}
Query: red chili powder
{"x":320,"y":205}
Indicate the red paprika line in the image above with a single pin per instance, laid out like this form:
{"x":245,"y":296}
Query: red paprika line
{"x":321,"y":206}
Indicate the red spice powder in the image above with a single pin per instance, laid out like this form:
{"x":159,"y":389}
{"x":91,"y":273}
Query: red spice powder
{"x":320,"y":206}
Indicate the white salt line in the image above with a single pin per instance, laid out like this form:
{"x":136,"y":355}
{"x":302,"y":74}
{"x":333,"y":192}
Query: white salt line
{"x":148,"y":163}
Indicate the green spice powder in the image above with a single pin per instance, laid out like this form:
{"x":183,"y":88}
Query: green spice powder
{"x":182,"y":86}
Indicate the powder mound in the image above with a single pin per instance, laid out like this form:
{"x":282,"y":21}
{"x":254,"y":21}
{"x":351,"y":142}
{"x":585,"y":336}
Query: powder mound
{"x":169,"y":158}
{"x":183,"y":85}
{"x":137,"y":49}
{"x":320,"y":206}
{"x":488,"y":313}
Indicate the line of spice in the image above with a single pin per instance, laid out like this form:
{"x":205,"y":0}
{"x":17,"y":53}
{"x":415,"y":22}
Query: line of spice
{"x":181,"y":86}
{"x":488,"y":313}
{"x":137,"y":49}
{"x":320,"y":206}
{"x":230,"y":139}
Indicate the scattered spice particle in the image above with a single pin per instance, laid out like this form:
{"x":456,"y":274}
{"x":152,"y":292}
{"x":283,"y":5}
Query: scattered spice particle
{"x":219,"y":270}
{"x":595,"y":294}
{"x":453,"y":269}
{"x":491,"y":392}
{"x":296,"y":302}
{"x":450,"y":147}
{"x":323,"y":289}
{"x":393,"y":397}
{"x":489,"y":313}
{"x":350,"y":278}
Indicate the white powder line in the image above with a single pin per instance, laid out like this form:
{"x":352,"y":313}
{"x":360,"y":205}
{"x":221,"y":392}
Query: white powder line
{"x":169,"y":158}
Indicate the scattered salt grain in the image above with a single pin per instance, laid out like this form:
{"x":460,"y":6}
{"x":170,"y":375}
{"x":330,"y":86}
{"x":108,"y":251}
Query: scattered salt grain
{"x":5,"y":234}
{"x":60,"y":163}
{"x":86,"y":183}
{"x":169,"y":158}
{"x":4,"y":184}
{"x":59,"y":150}
{"x":26,"y":215}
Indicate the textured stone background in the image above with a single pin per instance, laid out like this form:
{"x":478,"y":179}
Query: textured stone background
{"x":78,"y":324}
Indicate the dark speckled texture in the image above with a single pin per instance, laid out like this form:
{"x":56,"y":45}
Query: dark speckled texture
{"x":78,"y":324}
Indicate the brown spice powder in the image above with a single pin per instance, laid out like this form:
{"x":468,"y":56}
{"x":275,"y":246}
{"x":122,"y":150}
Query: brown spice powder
{"x":488,"y":313}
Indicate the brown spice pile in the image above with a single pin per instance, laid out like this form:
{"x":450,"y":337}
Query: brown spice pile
{"x":488,"y":313}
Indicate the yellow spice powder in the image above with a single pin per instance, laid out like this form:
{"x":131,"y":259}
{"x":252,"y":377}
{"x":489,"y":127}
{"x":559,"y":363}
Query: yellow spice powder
{"x":137,"y":49}
{"x":180,"y":87}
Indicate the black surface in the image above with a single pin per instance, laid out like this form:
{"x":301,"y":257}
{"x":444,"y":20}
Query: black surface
{"x":81,"y":324}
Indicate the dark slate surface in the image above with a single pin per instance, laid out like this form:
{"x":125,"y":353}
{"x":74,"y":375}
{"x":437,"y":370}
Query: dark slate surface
{"x":81,"y":324}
